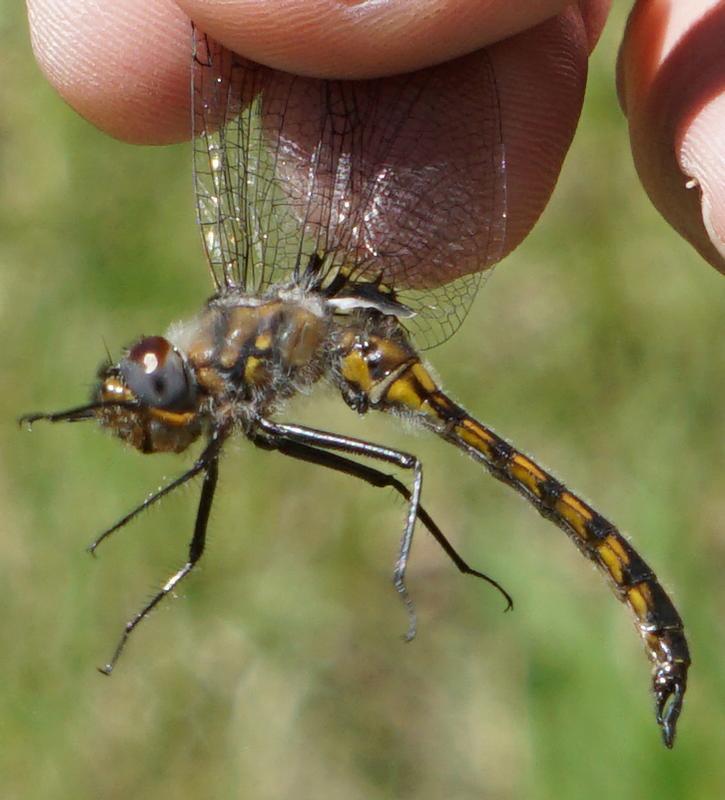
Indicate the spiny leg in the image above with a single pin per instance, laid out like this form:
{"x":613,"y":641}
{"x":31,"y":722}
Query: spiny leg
{"x":331,"y":441}
{"x":76,"y":414}
{"x":196,"y":549}
{"x":199,"y":465}
{"x":87,"y":411}
{"x":380,"y":480}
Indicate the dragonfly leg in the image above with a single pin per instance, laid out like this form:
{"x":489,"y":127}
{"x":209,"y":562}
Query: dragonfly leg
{"x":196,"y":550}
{"x":198,"y":466}
{"x":380,"y":480}
{"x":300,"y":434}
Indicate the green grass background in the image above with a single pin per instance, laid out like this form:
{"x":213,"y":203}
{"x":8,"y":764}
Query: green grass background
{"x":280,"y":671}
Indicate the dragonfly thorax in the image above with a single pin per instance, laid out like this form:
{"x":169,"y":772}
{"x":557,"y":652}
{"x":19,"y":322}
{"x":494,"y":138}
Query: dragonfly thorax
{"x":248,"y":353}
{"x":240,"y":357}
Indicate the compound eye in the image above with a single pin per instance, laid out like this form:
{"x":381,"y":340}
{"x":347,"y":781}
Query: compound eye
{"x":157,"y":375}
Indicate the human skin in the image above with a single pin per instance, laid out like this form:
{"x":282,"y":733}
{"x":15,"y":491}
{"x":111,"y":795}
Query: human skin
{"x":125,"y":67}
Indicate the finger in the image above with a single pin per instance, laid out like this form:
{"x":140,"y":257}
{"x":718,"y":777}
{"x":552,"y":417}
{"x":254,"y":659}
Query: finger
{"x":329,"y":38}
{"x":594,"y":15}
{"x":124,"y":66}
{"x":143,"y":97}
{"x":438,"y":207}
{"x":672,"y":86}
{"x":541,"y":76}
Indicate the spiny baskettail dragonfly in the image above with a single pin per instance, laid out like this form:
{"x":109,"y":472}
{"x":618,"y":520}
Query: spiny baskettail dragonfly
{"x":342,"y":240}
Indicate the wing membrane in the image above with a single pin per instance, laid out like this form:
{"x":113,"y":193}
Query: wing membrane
{"x":398,"y":180}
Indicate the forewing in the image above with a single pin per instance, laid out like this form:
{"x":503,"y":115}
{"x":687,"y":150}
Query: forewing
{"x":398,"y":180}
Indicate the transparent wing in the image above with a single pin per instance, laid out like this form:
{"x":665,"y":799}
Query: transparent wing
{"x":400,"y":181}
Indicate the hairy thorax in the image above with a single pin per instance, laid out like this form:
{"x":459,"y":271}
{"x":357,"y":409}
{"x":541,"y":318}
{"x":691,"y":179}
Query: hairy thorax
{"x":249,"y":352}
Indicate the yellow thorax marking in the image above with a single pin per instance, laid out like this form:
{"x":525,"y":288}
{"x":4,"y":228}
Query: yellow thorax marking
{"x":178,"y":419}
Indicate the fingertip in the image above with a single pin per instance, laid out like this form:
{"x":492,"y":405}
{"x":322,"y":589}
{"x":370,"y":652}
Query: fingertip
{"x":126,"y":68}
{"x":123,"y":66}
{"x":672,"y":85}
{"x":541,"y":76}
{"x":350,"y":39}
{"x":702,"y":157}
{"x":594,"y":15}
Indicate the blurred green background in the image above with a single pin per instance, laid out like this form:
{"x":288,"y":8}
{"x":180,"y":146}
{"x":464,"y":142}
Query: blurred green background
{"x":280,"y":671}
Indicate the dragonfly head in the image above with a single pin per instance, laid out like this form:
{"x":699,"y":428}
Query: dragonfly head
{"x":149,"y":399}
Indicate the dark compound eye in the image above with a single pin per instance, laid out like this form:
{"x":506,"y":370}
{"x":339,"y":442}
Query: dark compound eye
{"x":157,"y":375}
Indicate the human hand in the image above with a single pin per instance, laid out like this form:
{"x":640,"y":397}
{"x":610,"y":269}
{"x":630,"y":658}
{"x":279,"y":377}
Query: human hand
{"x":125,"y":67}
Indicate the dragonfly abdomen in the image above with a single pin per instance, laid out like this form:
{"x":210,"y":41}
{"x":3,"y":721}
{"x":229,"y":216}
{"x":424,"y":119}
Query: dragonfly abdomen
{"x":634,"y":582}
{"x":386,"y":374}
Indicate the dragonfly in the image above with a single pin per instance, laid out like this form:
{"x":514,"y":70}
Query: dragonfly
{"x":342,"y":241}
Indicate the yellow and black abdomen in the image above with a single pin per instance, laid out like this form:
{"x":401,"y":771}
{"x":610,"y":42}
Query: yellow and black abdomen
{"x":385,"y":373}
